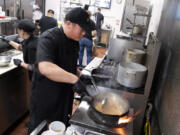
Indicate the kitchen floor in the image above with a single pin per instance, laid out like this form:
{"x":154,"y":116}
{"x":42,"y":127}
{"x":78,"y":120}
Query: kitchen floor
{"x":21,"y":129}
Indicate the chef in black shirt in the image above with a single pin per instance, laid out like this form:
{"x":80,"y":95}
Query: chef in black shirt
{"x":25,"y":30}
{"x":56,"y":70}
{"x":48,"y":21}
{"x":99,"y":21}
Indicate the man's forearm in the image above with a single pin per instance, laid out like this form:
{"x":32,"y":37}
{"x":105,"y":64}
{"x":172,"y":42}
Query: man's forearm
{"x":56,"y":73}
{"x":15,"y":45}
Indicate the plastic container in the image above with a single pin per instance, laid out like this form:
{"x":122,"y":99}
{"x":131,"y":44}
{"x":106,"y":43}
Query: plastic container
{"x":57,"y":128}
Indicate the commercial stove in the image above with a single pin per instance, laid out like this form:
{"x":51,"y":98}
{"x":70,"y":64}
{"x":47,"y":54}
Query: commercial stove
{"x":85,"y":125}
{"x":105,"y":72}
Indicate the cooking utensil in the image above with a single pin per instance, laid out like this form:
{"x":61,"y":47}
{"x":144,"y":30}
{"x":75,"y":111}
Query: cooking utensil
{"x":5,"y":61}
{"x":108,"y":103}
{"x":135,"y":55}
{"x":94,"y":85}
{"x":107,"y":107}
{"x":131,"y":74}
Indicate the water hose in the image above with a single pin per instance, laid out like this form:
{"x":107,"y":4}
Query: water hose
{"x":147,"y":127}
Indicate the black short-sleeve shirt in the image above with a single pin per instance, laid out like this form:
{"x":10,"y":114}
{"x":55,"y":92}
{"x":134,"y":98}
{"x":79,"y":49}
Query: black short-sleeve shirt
{"x":54,"y":46}
{"x":29,"y":47}
{"x":48,"y":97}
{"x":46,"y":23}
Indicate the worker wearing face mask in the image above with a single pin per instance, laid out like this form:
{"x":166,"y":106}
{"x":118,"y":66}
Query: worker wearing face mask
{"x":25,"y":29}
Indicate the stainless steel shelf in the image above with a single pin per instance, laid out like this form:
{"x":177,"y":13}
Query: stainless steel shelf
{"x":140,"y":14}
{"x":7,"y":19}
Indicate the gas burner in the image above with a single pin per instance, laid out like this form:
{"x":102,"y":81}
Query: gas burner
{"x":82,"y":119}
{"x":113,"y":122}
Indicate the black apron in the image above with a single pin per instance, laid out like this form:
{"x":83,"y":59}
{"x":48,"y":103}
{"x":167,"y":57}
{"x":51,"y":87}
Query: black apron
{"x":29,"y":51}
{"x":50,"y":100}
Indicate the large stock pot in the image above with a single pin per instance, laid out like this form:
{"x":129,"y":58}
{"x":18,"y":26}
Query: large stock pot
{"x":131,"y":75}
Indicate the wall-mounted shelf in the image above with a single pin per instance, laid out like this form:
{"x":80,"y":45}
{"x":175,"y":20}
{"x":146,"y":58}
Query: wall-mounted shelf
{"x":140,"y":14}
{"x":7,"y":19}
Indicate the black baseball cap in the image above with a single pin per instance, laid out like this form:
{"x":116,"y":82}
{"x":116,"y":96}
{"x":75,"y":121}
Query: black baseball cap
{"x":80,"y":17}
{"x":26,"y":25}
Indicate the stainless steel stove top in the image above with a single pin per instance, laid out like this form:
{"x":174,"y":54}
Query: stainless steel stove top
{"x":84,"y":123}
{"x":110,"y":67}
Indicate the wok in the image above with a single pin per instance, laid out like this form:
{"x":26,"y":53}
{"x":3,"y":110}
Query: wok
{"x":108,"y":107}
{"x":4,"y":60}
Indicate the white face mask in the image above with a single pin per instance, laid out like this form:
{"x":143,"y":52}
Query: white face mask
{"x":20,"y":39}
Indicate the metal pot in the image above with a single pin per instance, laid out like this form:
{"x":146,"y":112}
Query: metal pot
{"x":131,"y":74}
{"x":135,"y":55}
{"x":4,"y":60}
{"x":138,"y":29}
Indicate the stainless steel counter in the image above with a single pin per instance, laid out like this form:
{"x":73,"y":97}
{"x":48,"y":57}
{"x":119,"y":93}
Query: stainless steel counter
{"x":14,"y":93}
{"x":17,"y":55}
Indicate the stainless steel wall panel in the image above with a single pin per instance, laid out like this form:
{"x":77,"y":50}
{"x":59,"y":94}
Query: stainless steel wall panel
{"x":166,"y":85}
{"x":27,"y":8}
